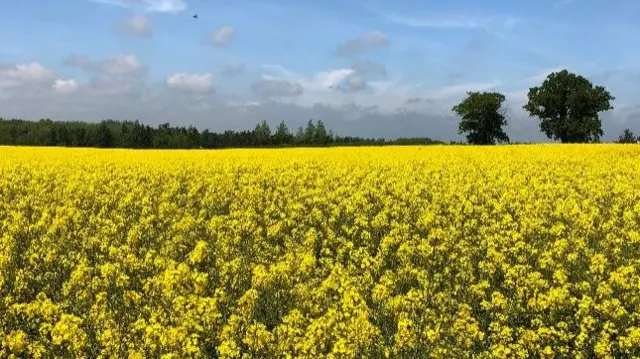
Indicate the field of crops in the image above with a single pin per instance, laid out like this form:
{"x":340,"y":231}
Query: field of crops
{"x":440,"y":252}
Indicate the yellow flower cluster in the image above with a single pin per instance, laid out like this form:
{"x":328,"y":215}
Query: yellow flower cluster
{"x":408,"y":252}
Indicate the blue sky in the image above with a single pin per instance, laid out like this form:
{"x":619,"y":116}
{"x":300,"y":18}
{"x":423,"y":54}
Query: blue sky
{"x":371,"y":68}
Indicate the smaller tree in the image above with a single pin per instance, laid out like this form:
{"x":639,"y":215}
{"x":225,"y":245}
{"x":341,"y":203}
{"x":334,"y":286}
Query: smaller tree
{"x":262,"y":133}
{"x":321,"y":136}
{"x":627,"y":136}
{"x":310,"y":133}
{"x":282,"y":135}
{"x":300,"y":136}
{"x":482,"y":118}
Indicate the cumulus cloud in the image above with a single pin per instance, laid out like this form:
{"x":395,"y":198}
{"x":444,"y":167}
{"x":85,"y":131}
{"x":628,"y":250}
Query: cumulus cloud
{"x":65,"y":86}
{"x":118,"y":75}
{"x":357,"y":78}
{"x":222,"y":36}
{"x":190,"y":82}
{"x":24,"y":81}
{"x":119,"y":65}
{"x":21,"y":74}
{"x":325,"y":80}
{"x":335,"y":86}
{"x":272,"y":87}
{"x":137,"y":25}
{"x":366,"y":42}
{"x":233,"y":70}
{"x":163,"y":6}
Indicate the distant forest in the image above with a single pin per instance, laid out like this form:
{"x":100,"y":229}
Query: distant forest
{"x":133,"y":134}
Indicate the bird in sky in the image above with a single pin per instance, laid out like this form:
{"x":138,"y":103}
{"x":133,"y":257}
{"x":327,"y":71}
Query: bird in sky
{"x":195,"y":16}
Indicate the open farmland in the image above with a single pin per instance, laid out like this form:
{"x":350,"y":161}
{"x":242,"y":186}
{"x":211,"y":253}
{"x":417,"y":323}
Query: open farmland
{"x":398,"y":252}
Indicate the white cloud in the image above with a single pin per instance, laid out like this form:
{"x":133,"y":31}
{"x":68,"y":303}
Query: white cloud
{"x":137,"y":25}
{"x":320,"y":81}
{"x":222,"y":36}
{"x":24,"y":80}
{"x":163,"y":6}
{"x":28,"y":73}
{"x":190,"y":82}
{"x":122,"y":65}
{"x":327,"y":80}
{"x":63,"y":86}
{"x":336,"y":87}
{"x":119,"y":65}
{"x":122,"y":74}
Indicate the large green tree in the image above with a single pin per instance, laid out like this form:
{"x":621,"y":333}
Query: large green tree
{"x":568,"y":106}
{"x":482,"y":118}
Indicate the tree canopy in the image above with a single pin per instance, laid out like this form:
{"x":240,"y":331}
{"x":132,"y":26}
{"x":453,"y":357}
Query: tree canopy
{"x":482,"y":118}
{"x":568,"y":106}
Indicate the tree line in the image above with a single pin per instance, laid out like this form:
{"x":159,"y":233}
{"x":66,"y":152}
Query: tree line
{"x":133,"y":134}
{"x":566,"y":104}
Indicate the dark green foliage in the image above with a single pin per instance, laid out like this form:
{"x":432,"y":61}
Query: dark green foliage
{"x":310,"y":132}
{"x":133,"y":134}
{"x":568,"y":106}
{"x":299,"y":137}
{"x":262,"y":134}
{"x":105,"y":138}
{"x":627,"y":136}
{"x":282,"y":136}
{"x":482,"y":118}
{"x":320,"y":135}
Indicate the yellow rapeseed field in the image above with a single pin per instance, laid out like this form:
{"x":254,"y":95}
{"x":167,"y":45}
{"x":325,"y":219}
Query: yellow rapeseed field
{"x":409,"y":252}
